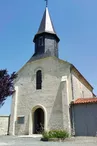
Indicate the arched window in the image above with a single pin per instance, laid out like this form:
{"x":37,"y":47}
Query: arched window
{"x":38,"y":79}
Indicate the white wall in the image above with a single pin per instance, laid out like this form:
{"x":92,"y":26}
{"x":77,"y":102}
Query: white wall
{"x":4,"y":122}
{"x":50,"y":96}
{"x":79,"y":89}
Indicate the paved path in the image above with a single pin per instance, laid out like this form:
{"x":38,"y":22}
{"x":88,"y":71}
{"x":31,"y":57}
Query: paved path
{"x":29,"y":141}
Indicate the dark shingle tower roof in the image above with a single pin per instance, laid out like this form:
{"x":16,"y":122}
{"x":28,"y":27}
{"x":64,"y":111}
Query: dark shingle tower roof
{"x":46,"y":40}
{"x":46,"y":25}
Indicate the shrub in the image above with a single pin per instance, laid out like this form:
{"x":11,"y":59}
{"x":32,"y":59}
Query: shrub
{"x":62,"y":134}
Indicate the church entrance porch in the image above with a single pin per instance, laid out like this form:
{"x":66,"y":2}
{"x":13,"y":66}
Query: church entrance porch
{"x":38,"y":121}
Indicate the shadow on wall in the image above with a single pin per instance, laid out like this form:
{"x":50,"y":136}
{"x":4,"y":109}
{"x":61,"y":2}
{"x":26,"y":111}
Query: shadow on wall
{"x":56,"y":117}
{"x":8,"y":125}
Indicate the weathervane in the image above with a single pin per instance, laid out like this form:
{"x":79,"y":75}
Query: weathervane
{"x":46,"y":3}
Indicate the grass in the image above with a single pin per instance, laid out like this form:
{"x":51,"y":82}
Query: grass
{"x":60,"y":134}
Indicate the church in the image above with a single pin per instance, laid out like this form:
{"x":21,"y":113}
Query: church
{"x":50,"y":93}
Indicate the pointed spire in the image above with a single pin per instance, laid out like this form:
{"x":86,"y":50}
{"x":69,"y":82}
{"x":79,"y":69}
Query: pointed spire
{"x":46,"y":23}
{"x":46,"y":40}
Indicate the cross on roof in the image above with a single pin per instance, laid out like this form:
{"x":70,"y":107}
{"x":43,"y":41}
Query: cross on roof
{"x":46,"y":3}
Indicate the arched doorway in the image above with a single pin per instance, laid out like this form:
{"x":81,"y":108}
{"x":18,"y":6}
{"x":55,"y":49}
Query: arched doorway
{"x":38,"y":124}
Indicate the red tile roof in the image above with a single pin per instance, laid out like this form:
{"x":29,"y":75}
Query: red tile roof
{"x":85,"y":100}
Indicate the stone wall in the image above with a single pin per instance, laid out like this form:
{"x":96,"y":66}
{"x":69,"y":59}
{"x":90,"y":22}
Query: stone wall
{"x":51,"y":96}
{"x":4,"y":125}
{"x":79,"y":89}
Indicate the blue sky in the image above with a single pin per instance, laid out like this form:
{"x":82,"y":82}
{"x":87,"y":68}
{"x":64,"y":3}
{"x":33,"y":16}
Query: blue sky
{"x":75,"y":22}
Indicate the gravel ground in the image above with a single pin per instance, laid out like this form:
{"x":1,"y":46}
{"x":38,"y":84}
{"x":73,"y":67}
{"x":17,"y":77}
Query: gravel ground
{"x":29,"y":141}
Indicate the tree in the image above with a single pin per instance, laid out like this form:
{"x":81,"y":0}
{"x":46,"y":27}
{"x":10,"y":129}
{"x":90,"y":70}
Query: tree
{"x":6,"y":85}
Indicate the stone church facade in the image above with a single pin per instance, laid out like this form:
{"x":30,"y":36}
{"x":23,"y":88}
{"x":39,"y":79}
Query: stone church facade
{"x":45,"y":87}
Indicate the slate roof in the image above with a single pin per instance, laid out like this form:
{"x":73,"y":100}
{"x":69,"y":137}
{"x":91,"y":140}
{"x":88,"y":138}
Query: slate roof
{"x":46,"y":23}
{"x":85,"y":100}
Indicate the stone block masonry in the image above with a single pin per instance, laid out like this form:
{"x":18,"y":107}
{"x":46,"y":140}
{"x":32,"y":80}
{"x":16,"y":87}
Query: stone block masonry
{"x":4,"y":125}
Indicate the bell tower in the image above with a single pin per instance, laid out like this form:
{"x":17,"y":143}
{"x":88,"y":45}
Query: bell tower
{"x":46,"y":40}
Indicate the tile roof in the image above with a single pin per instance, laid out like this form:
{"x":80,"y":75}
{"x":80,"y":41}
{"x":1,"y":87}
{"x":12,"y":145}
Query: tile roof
{"x":85,"y":100}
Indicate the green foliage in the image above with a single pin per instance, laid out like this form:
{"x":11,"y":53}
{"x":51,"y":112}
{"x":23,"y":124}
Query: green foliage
{"x":62,"y":134}
{"x":6,"y":85}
